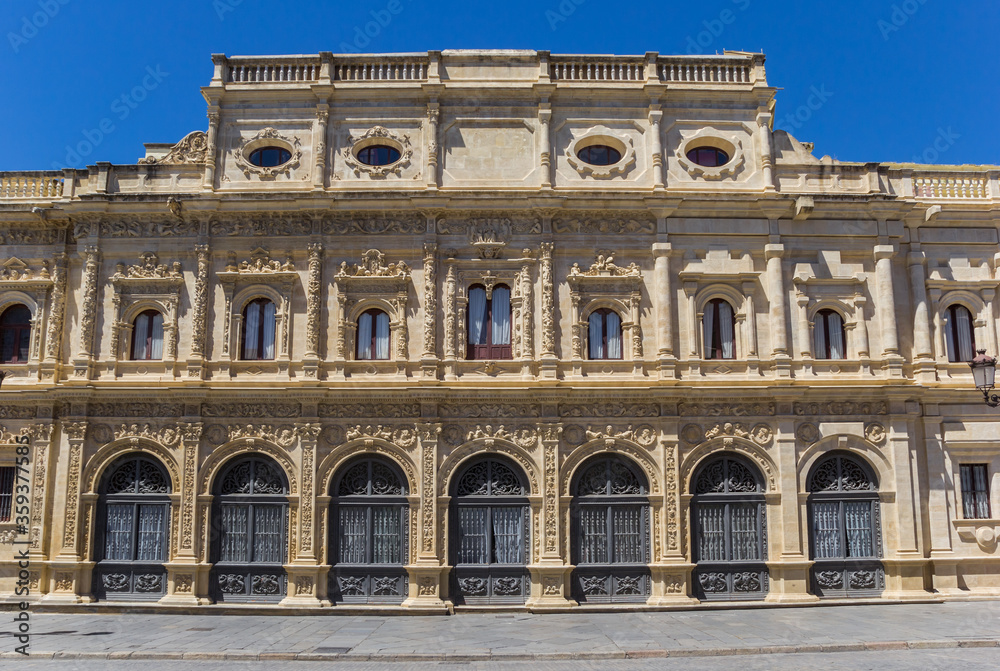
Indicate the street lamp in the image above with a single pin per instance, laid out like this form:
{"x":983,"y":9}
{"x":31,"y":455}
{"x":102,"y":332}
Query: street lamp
{"x":984,"y":370}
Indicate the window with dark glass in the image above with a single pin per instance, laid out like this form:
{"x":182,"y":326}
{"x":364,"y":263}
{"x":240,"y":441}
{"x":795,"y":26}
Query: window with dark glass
{"x":258,"y":330}
{"x":975,"y":491}
{"x":132,"y":530}
{"x":378,"y":154}
{"x":719,"y":334}
{"x":15,"y":334}
{"x":829,"y":335}
{"x":710,"y":157}
{"x":959,"y":333}
{"x":604,"y":335}
{"x":373,"y":335}
{"x":269,"y":157}
{"x":147,"y":336}
{"x":610,"y":516}
{"x":599,"y":154}
{"x":369,"y":545}
{"x":6,"y":492}
{"x":489,"y":323}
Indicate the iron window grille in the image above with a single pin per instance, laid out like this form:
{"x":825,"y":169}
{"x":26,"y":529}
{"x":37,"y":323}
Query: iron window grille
{"x":975,"y":491}
{"x":6,"y":492}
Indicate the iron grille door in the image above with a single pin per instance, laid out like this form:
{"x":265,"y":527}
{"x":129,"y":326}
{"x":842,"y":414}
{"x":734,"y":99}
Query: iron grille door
{"x":844,"y":528}
{"x":610,"y":532}
{"x":489,"y":538}
{"x":729,"y":530}
{"x":369,"y":535}
{"x":132,"y":531}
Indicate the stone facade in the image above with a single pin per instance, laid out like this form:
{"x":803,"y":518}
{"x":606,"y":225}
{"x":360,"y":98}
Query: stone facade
{"x":489,"y":189}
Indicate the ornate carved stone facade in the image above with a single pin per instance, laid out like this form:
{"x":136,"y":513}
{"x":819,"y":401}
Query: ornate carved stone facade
{"x":478,"y":198}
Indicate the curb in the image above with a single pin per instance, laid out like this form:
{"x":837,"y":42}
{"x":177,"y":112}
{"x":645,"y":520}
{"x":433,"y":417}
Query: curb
{"x":867,"y":646}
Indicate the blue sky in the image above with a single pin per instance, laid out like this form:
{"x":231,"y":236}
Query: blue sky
{"x":890,"y":80}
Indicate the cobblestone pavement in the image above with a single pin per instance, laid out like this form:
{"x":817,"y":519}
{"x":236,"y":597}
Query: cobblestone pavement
{"x":499,"y":636}
{"x":975,"y":659}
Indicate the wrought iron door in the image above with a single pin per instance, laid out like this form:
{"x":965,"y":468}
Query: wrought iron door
{"x":368,"y":537}
{"x":489,"y":546}
{"x":249,"y":535}
{"x":729,"y":529}
{"x":845,"y":536}
{"x":610,"y":529}
{"x":132,"y":532}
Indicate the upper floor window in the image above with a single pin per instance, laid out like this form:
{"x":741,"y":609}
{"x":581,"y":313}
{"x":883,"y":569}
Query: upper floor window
{"x":147,"y":336}
{"x":15,"y":334}
{"x":829,"y":335}
{"x":710,"y":157}
{"x":373,"y":335}
{"x":975,"y":492}
{"x":6,"y":492}
{"x":378,"y":154}
{"x":258,"y":330}
{"x":718,"y":323}
{"x":605,"y":335}
{"x":489,"y":323}
{"x":269,"y":157}
{"x":959,"y":333}
{"x":599,"y":154}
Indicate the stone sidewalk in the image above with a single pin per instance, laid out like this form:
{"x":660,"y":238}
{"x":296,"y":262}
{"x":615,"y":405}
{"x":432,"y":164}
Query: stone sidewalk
{"x":508,"y":636}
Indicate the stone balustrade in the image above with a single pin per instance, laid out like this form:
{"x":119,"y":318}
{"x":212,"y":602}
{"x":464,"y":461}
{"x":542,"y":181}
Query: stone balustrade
{"x":705,"y":72}
{"x":269,"y":70}
{"x":380,"y":69}
{"x":598,"y":69}
{"x":955,"y":186}
{"x":37,"y":185}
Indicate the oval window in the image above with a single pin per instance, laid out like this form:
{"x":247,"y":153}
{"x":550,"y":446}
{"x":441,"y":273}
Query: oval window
{"x":710,"y":157}
{"x":378,"y":154}
{"x":269,"y":157}
{"x":599,"y":154}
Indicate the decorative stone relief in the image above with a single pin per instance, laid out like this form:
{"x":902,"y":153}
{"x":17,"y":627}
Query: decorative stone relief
{"x":378,"y":135}
{"x":523,"y":435}
{"x":548,"y":300}
{"x":430,"y":300}
{"x":193,"y":148}
{"x":88,"y":317}
{"x":841,"y":408}
{"x":314,"y":291}
{"x":252,"y":410}
{"x":609,"y":410}
{"x":168,"y":435}
{"x":604,"y":266}
{"x":366,"y":224}
{"x":606,"y":223}
{"x":15,"y":271}
{"x":760,"y":433}
{"x":807,"y":433}
{"x":267,"y":137}
{"x":57,"y":309}
{"x":373,"y":265}
{"x":283,"y":436}
{"x":147,"y":226}
{"x":488,"y":410}
{"x":875,"y":433}
{"x":726,"y":409}
{"x":644,"y":435}
{"x":372,"y":410}
{"x":403,"y":436}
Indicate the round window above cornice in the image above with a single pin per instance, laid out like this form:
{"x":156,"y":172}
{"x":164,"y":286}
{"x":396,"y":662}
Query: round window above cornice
{"x":267,"y":153}
{"x":601,"y":152}
{"x":377,"y":152}
{"x":710,"y":154}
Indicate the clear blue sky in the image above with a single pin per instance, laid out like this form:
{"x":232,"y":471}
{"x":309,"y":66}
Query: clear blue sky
{"x":891,"y":80}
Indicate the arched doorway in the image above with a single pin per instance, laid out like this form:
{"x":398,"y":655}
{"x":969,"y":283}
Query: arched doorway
{"x":250,"y":535}
{"x":133,"y":524}
{"x":368,"y":534}
{"x":729,"y":531}
{"x":490,"y":538}
{"x":845,"y":531}
{"x":610,"y":531}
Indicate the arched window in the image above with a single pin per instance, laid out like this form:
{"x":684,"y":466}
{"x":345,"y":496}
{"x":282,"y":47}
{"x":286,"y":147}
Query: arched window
{"x":729,"y":531}
{"x":133,"y":519}
{"x":373,"y":335}
{"x":605,"y":335}
{"x":719,"y":339}
{"x":15,"y":334}
{"x":489,"y":547}
{"x":258,"y":330}
{"x":368,"y":537}
{"x":249,"y":547}
{"x":844,"y":529}
{"x":147,"y":336}
{"x":610,"y":516}
{"x":828,"y":333}
{"x":489,"y":323}
{"x":959,"y":333}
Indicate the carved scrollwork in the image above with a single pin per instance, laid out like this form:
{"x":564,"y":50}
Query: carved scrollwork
{"x":193,"y":148}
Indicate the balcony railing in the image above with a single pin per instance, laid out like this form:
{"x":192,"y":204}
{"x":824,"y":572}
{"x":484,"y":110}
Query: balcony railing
{"x":37,"y":185}
{"x":951,"y":186}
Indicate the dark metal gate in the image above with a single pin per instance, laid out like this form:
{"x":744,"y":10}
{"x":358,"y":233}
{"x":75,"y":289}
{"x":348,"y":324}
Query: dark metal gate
{"x":490,"y":540}
{"x":729,"y":529}
{"x":368,"y":537}
{"x":133,"y":513}
{"x":845,"y":535}
{"x":250,"y":540}
{"x":610,"y":530}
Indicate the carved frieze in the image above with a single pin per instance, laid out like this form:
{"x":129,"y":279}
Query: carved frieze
{"x":283,"y":436}
{"x":29,"y":236}
{"x":762,"y":409}
{"x":644,"y":434}
{"x":523,"y":435}
{"x":135,"y":409}
{"x":260,"y":225}
{"x":366,"y":410}
{"x":491,"y":410}
{"x":15,"y":272}
{"x":404,"y":436}
{"x":841,"y":408}
{"x":167,"y":435}
{"x":607,"y":224}
{"x":251,"y":409}
{"x":147,"y":226}
{"x":367,"y":224}
{"x":612,"y":409}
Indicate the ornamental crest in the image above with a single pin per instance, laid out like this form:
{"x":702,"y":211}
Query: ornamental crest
{"x":193,"y":148}
{"x":148,"y":268}
{"x":604,"y":266}
{"x":373,"y":265}
{"x":16,"y":270}
{"x":260,"y":262}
